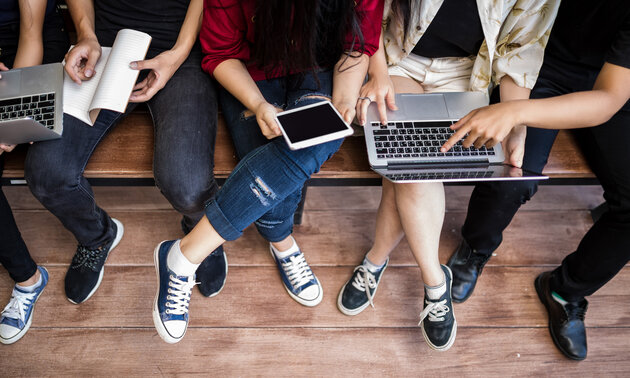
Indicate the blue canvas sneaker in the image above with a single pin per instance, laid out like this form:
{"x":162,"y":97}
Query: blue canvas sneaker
{"x":298,"y":279}
{"x":17,"y":316}
{"x":170,"y":309}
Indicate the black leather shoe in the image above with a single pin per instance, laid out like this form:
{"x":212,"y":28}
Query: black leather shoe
{"x":566,"y":322}
{"x":466,"y":266}
{"x":212,"y":273}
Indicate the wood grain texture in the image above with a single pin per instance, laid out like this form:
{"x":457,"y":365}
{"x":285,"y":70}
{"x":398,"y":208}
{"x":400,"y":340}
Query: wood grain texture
{"x":255,"y":297}
{"x":557,"y":234}
{"x":113,"y":198}
{"x":127,"y":152}
{"x":331,"y":352}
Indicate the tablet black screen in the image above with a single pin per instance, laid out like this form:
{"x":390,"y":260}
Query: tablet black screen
{"x":311,"y":123}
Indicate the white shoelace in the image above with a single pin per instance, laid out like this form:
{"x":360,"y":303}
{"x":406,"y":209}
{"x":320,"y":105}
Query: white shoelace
{"x":435,"y":311}
{"x":297,"y":270}
{"x":360,"y":281}
{"x":16,"y":309}
{"x":179,"y":295}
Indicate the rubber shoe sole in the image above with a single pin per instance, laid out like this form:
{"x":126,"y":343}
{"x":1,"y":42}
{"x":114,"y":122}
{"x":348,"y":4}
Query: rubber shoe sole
{"x":120,"y":230}
{"x":157,"y":321}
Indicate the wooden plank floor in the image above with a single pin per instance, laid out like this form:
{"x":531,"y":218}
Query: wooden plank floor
{"x":254,"y":328}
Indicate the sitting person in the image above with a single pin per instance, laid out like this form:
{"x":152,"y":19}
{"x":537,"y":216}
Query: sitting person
{"x":441,"y":46}
{"x":584,"y":83}
{"x":182,"y":101}
{"x":31,"y":33}
{"x":321,"y":55}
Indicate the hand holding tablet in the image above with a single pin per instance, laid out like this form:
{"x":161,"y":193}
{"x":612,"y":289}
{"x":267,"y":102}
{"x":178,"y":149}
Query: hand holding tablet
{"x":312,"y":124}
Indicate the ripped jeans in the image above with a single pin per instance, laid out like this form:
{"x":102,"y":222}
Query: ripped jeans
{"x":266,"y":185}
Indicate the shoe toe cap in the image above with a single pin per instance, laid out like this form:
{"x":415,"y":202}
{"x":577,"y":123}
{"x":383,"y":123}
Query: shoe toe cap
{"x":8,"y":332}
{"x":176,"y":328}
{"x":311,"y":293}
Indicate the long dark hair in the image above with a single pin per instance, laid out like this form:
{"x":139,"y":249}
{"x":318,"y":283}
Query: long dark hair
{"x":301,"y":35}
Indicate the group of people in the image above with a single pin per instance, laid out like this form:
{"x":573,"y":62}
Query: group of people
{"x":258,"y":57}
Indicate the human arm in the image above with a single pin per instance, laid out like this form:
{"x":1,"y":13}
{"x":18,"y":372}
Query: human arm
{"x":82,"y":58}
{"x":379,"y":87}
{"x":165,"y":64}
{"x":234,"y":77}
{"x":574,"y":110}
{"x":30,"y":50}
{"x":348,"y":76}
{"x":514,"y":143}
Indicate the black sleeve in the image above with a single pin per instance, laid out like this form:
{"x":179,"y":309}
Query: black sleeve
{"x":619,"y":52}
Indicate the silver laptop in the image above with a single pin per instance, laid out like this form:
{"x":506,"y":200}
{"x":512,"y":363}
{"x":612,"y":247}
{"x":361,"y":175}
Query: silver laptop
{"x":407,"y":149}
{"x":31,"y":106}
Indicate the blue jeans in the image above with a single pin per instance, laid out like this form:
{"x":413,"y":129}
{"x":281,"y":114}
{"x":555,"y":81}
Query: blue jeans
{"x":184,"y":114}
{"x":266,"y":185}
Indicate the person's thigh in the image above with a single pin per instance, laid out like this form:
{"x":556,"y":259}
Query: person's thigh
{"x":184,"y":113}
{"x":241,"y":122}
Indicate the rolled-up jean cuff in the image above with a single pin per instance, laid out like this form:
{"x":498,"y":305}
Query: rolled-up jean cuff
{"x":219,"y":221}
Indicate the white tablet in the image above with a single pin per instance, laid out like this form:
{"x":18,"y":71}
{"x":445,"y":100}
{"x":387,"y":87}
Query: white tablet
{"x":312,"y":124}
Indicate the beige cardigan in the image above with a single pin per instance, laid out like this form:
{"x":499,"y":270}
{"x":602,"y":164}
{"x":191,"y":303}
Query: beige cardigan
{"x":516,"y":33}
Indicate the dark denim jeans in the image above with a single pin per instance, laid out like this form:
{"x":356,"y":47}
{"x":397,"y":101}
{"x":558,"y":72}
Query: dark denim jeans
{"x":266,"y":185}
{"x":605,"y":248}
{"x":14,"y":255}
{"x":184,"y":114}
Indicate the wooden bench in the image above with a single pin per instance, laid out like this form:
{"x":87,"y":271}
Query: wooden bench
{"x":125,"y":156}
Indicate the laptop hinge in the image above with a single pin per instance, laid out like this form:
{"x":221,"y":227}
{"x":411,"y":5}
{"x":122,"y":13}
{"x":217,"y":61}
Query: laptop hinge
{"x":438,"y":165}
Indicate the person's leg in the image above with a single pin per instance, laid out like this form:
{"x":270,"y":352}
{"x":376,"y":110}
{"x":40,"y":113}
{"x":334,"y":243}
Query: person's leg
{"x":30,"y":279}
{"x":493,"y":205}
{"x":185,"y":124}
{"x":54,"y":173}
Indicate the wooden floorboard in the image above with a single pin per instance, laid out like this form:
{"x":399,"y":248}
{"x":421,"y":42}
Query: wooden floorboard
{"x":255,"y":297}
{"x":557,"y":234}
{"x":253,"y":327}
{"x":323,"y":352}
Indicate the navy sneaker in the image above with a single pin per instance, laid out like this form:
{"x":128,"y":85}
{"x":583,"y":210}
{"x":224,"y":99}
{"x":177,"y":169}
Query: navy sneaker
{"x":437,"y":320}
{"x":212,"y":273}
{"x":86,"y":270}
{"x":359,"y":291}
{"x":170,"y":309}
{"x":17,"y":316}
{"x":298,"y":279}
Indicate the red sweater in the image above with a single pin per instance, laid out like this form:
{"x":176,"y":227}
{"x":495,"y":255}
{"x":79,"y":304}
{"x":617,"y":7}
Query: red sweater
{"x":227,"y":32}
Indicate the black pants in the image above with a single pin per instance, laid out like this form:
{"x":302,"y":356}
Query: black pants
{"x":14,"y":255}
{"x":605,"y":248}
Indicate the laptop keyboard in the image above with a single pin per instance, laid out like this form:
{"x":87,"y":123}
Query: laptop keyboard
{"x":41,"y":108}
{"x":419,"y":140}
{"x":440,"y":175}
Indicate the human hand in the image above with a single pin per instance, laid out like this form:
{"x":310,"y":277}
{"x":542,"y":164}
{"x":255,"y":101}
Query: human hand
{"x":266,"y":117}
{"x":6,"y":147}
{"x":3,"y":68}
{"x":514,"y":146}
{"x":485,"y":126}
{"x":346,"y":106}
{"x":162,"y":69}
{"x":82,"y":58}
{"x":379,"y":89}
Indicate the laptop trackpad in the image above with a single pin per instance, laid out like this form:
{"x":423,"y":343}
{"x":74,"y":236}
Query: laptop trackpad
{"x":10,"y":83}
{"x":425,"y":106}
